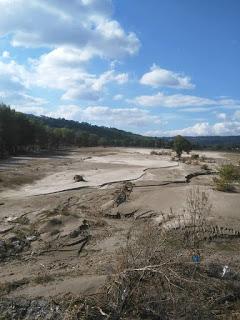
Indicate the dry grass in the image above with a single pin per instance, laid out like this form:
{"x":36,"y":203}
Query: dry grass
{"x":7,"y":287}
{"x":155,"y":279}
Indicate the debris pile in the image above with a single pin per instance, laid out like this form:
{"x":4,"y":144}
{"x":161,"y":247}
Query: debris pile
{"x":110,"y":208}
{"x":12,"y":246}
{"x":21,"y":308}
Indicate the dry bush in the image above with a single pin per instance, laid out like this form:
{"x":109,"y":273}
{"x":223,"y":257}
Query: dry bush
{"x":154,"y":153}
{"x":205,"y":167}
{"x":203,"y":158}
{"x":194,"y":156}
{"x":161,"y":152}
{"x":156,"y":280}
{"x":223,"y":185}
{"x":198,"y":209}
{"x":195,"y":162}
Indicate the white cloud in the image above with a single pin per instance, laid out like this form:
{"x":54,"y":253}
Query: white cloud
{"x":205,"y":129}
{"x":14,"y":84}
{"x":13,"y":76}
{"x":82,"y":24}
{"x":236,"y":115}
{"x":61,"y":69}
{"x":31,"y":109}
{"x":222,"y":116}
{"x":91,"y":87}
{"x":118,"y":97}
{"x":24,"y":102}
{"x":181,"y":100}
{"x":68,"y":112}
{"x":6,"y":55}
{"x":226,"y":128}
{"x":194,"y":109}
{"x":159,"y":77}
{"x":172,"y":101}
{"x":103,"y":115}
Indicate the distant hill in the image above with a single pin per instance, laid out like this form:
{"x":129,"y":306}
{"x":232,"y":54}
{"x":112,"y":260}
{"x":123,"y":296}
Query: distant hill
{"x":21,"y":132}
{"x":201,"y":142}
{"x":108,"y":135}
{"x":216,"y":142}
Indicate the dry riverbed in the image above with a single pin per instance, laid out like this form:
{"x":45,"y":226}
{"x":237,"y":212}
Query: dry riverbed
{"x":59,"y":236}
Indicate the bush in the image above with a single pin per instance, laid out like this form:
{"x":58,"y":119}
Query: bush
{"x":203,"y":158}
{"x":204,"y":167}
{"x":228,"y":174}
{"x":161,"y":153}
{"x":223,"y":185}
{"x":154,"y":153}
{"x":195,"y":156}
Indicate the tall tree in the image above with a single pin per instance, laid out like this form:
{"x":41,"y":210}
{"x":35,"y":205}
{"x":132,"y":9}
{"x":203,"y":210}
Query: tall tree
{"x":181,"y":144}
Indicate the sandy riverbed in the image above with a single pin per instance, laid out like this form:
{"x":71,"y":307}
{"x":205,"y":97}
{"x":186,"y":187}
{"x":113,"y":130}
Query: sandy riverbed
{"x":41,"y":190}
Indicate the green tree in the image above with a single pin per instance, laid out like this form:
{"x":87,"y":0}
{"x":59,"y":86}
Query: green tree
{"x":181,"y":144}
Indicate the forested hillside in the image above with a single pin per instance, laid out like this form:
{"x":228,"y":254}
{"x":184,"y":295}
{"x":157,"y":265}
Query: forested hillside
{"x":231,"y":143}
{"x":25,"y":133}
{"x":21,"y":133}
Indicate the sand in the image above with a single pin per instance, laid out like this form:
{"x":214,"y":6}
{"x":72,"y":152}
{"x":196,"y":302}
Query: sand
{"x":41,"y":188}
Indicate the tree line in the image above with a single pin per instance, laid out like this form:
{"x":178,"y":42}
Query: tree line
{"x":20,"y":133}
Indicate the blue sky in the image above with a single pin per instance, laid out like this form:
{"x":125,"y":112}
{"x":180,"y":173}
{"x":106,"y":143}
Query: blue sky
{"x":156,"y":67}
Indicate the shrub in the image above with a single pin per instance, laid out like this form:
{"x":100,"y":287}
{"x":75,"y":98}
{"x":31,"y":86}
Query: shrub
{"x":223,"y":185}
{"x":195,"y":162}
{"x":195,"y":156}
{"x":161,"y":153}
{"x":228,"y":174}
{"x":198,"y":208}
{"x":204,"y":167}
{"x":203,"y":158}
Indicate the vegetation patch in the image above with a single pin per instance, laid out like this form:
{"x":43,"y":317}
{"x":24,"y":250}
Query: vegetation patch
{"x":228,"y":175}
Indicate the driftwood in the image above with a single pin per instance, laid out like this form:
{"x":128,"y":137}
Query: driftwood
{"x":82,"y":246}
{"x":77,"y":241}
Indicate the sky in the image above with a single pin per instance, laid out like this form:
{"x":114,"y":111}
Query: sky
{"x":154,"y":67}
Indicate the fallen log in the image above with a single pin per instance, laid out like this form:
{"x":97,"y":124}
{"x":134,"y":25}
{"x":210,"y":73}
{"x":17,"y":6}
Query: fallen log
{"x":77,"y":241}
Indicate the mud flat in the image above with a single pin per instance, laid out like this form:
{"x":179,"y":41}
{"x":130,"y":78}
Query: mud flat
{"x":59,"y":236}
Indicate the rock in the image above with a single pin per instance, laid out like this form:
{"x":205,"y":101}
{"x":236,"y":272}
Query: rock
{"x":11,"y":219}
{"x":79,"y":178}
{"x":31,"y":238}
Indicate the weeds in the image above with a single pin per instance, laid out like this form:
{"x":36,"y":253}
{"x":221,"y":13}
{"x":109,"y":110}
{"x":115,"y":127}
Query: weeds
{"x":228,"y":174}
{"x":155,"y":280}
